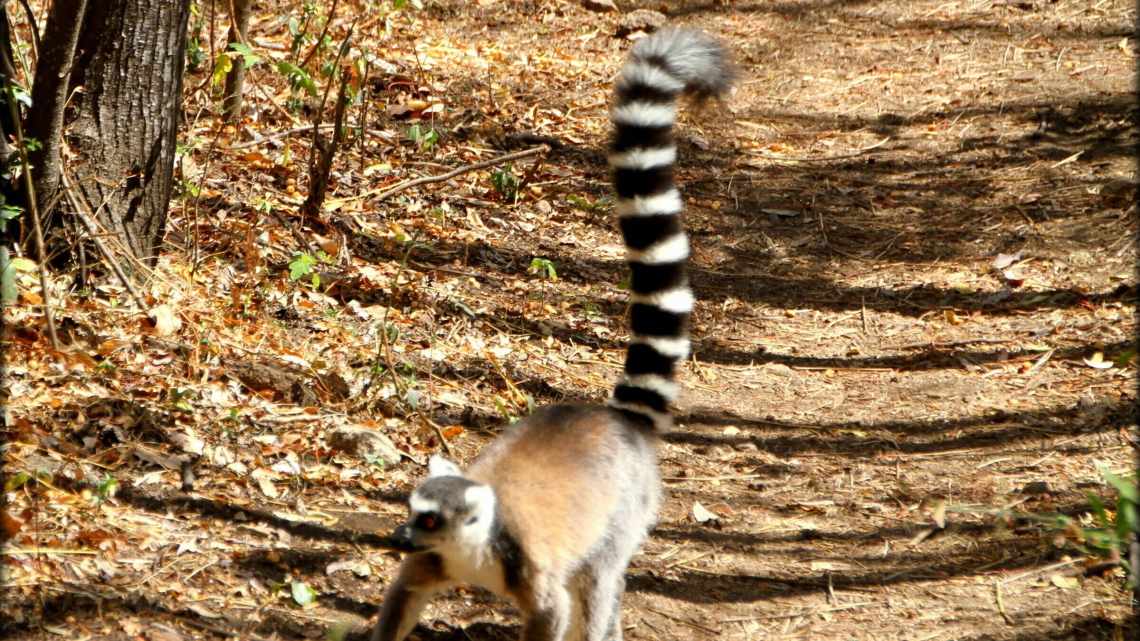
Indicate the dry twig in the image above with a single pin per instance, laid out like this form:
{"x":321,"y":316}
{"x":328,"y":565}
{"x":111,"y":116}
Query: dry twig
{"x":855,"y":154}
{"x":483,"y":164}
{"x":37,"y":229}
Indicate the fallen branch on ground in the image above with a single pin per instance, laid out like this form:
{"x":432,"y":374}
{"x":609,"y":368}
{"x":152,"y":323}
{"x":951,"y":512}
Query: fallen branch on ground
{"x":483,"y":164}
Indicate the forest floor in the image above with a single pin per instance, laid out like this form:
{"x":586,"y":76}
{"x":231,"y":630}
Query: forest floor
{"x":913,"y":228}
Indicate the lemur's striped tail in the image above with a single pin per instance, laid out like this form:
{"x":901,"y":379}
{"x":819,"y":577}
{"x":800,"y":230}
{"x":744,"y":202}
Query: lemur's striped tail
{"x":660,"y":68}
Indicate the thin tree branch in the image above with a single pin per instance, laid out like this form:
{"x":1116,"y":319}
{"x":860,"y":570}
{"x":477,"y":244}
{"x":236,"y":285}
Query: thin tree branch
{"x":483,"y":164}
{"x":37,"y":230}
{"x":50,"y":92}
{"x":34,"y":28}
{"x":321,"y":154}
{"x":289,"y":132}
{"x":324,"y":31}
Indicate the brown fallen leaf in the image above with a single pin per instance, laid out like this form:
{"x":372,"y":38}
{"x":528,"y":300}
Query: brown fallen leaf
{"x":9,"y":526}
{"x":1065,"y":582}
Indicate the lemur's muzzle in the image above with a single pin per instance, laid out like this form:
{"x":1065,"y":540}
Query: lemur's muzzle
{"x":401,"y":540}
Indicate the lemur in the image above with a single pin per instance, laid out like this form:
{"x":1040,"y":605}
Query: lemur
{"x":551,"y":512}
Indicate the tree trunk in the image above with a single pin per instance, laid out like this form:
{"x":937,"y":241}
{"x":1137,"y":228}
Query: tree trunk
{"x":123,"y":125}
{"x":235,"y":79}
{"x":49,"y":96}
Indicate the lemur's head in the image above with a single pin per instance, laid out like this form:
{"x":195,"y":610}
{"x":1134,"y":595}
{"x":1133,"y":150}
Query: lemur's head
{"x":448,"y":512}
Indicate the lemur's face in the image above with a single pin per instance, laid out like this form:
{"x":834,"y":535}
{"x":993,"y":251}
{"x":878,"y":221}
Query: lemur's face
{"x":447,"y":511}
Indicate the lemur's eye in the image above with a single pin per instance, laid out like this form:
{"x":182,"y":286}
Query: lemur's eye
{"x":471,"y":521}
{"x":429,"y":521}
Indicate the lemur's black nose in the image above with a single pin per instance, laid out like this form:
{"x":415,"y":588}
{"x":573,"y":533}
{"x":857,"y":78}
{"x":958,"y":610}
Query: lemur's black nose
{"x":401,"y":539}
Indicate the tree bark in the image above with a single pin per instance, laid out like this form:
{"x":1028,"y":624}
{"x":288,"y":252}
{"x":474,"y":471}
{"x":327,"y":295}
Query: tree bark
{"x":49,"y":96}
{"x":129,"y":61}
{"x":235,"y":79}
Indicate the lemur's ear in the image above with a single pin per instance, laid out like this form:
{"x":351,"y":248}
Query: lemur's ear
{"x":439,"y":466}
{"x":480,"y":499}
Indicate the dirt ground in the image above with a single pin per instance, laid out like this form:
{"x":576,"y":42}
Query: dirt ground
{"x":883,"y":424}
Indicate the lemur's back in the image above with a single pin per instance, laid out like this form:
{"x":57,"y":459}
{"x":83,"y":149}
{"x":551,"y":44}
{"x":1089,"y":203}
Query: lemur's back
{"x":564,"y":475}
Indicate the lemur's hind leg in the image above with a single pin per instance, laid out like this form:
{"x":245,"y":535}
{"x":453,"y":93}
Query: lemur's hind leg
{"x":603,"y":581}
{"x":549,"y":614}
{"x":614,"y":627}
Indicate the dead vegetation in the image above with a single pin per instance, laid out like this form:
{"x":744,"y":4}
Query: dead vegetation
{"x":913,"y":229}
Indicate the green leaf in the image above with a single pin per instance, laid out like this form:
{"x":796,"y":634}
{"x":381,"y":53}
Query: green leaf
{"x":25,"y":265}
{"x":543,"y":266}
{"x":248,"y":57}
{"x":1126,"y":487}
{"x":107,"y":488}
{"x":302,"y":594}
{"x":298,"y":77}
{"x":1124,"y":358}
{"x":16,"y":481}
{"x":222,"y":68}
{"x":506,"y":183}
{"x":1125,"y":521}
{"x":301,"y":266}
{"x":8,"y":292}
{"x":22,"y":97}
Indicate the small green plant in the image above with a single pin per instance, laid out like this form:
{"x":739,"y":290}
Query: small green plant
{"x":505,"y":410}
{"x":506,"y":183}
{"x":591,"y":310}
{"x":16,"y":481}
{"x":302,"y":266}
{"x":298,"y":78}
{"x":180,"y":399}
{"x":578,"y":202}
{"x":195,"y":54}
{"x":24,"y":99}
{"x":106,"y":488}
{"x":544,"y":267}
{"x":8,"y":212}
{"x":299,"y":29}
{"x":1108,"y":531}
{"x":1116,"y":530}
{"x":189,"y":188}
{"x":426,"y":138}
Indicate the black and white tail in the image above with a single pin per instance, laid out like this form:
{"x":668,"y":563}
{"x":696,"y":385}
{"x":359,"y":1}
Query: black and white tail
{"x":659,"y":70}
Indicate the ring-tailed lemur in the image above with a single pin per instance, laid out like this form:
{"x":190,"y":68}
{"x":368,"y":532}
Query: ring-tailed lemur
{"x":551,"y":512}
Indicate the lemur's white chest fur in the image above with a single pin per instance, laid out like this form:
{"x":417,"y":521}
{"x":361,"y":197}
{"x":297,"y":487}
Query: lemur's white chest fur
{"x":474,"y":565}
